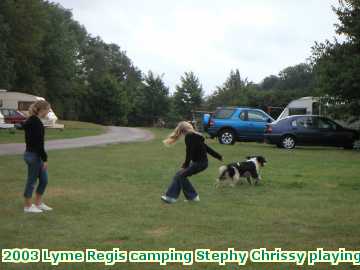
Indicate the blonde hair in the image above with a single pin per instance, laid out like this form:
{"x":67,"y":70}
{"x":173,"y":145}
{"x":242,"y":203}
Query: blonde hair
{"x":182,"y":128}
{"x":39,"y":105}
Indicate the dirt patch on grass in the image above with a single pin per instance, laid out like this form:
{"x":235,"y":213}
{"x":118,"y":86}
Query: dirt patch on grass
{"x":115,"y":241}
{"x":119,"y":240}
{"x":61,"y":192}
{"x":158,"y":232}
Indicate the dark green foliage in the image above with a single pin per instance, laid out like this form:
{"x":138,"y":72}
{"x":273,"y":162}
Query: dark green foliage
{"x":152,"y":103}
{"x":337,"y":64}
{"x":45,"y":52}
{"x":188,"y":95}
{"x":275,"y":91}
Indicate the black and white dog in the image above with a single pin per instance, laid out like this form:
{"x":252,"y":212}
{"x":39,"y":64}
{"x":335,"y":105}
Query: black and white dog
{"x":250,"y":169}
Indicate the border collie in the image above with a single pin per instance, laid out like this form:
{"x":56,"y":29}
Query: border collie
{"x":249,"y":169}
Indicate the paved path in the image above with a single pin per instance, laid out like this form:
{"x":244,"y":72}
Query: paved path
{"x":113,"y":135}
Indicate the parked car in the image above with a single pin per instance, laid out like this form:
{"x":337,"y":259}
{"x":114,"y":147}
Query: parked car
{"x":231,"y":124}
{"x":13,"y":116}
{"x":2,"y":123}
{"x":309,"y":130}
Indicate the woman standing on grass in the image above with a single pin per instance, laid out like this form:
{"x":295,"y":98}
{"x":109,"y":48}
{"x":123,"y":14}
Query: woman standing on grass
{"x":36,"y":157}
{"x":196,"y":161}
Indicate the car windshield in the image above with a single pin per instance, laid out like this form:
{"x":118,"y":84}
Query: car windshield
{"x":257,"y":116}
{"x":224,"y":113}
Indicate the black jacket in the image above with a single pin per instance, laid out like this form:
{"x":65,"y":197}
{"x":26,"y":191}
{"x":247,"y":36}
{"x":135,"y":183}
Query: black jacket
{"x":34,"y":136}
{"x":196,"y":149}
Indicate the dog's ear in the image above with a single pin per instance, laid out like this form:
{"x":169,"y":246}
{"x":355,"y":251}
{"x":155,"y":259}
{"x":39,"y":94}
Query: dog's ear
{"x":248,"y":157}
{"x":261,"y":159}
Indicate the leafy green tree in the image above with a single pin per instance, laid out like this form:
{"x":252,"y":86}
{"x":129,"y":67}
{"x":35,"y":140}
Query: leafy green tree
{"x":100,"y":61}
{"x":109,"y":100}
{"x":188,"y":95}
{"x":296,"y":77}
{"x":230,"y":93}
{"x":300,"y":77}
{"x":270,"y":82}
{"x":152,"y":102}
{"x":6,"y":63}
{"x":337,"y":64}
{"x":25,"y":20}
{"x":61,"y":49}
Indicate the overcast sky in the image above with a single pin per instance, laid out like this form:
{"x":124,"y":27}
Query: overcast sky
{"x":209,"y":37}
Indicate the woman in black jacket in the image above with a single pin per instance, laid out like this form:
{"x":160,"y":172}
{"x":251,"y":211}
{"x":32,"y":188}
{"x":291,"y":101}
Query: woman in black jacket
{"x":196,"y":161}
{"x":35,"y":157}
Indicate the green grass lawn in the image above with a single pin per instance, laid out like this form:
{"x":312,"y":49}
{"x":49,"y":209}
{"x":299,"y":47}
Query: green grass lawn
{"x":107,"y":197}
{"x":72,"y":130}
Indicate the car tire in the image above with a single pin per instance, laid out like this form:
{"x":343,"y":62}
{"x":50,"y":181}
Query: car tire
{"x":288,"y":142}
{"x":227,"y":136}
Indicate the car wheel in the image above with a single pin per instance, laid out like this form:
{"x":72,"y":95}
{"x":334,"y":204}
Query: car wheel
{"x":227,"y":136}
{"x":288,"y":142}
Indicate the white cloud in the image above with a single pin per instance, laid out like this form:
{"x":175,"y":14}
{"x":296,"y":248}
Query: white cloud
{"x":209,"y":37}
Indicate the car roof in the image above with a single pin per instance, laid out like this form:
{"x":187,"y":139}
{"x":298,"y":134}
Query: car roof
{"x":298,"y":116}
{"x":238,"y":107}
{"x":305,"y":115}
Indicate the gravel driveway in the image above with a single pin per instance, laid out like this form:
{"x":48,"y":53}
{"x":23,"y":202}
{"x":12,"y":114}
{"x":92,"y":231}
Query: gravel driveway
{"x":113,"y":135}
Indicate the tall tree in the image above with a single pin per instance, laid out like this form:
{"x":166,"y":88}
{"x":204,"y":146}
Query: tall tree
{"x":230,"y":93}
{"x":25,"y":20}
{"x":61,"y":49}
{"x":108,"y":62}
{"x":337,"y":64}
{"x":6,"y":63}
{"x":152,"y":102}
{"x":188,"y":95}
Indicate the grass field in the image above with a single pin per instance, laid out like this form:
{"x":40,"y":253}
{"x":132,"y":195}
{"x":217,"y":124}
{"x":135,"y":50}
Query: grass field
{"x":107,"y":197}
{"x":72,"y":130}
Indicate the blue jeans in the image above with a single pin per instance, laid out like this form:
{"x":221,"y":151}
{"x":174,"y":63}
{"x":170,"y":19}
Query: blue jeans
{"x":35,"y":171}
{"x":181,"y":181}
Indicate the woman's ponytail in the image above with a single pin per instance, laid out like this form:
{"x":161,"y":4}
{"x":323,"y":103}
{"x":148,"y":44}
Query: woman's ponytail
{"x":36,"y":107}
{"x":181,"y":129}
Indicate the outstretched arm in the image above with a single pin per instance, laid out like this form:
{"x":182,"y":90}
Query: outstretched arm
{"x":213,"y":153}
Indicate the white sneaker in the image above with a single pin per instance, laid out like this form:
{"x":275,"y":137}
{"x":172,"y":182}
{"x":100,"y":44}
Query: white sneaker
{"x":167,"y":199}
{"x":32,"y":209}
{"x":196,"y":199}
{"x":44,"y":207}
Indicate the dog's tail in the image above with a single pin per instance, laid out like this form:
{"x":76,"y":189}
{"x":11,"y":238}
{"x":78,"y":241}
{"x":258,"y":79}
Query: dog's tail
{"x":222,"y":171}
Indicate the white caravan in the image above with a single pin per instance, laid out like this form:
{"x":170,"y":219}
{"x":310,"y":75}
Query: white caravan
{"x":21,"y":102}
{"x":304,"y":105}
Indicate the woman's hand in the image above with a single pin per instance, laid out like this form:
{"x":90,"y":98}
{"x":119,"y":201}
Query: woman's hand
{"x":45,"y":166}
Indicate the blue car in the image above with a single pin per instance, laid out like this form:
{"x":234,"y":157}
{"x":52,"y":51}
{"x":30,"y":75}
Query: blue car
{"x":231,"y":124}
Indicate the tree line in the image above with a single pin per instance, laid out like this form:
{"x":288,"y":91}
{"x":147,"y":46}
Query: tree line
{"x":44,"y":51}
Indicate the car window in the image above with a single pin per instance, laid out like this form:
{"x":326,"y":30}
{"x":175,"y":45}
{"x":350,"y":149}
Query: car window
{"x":305,"y":122}
{"x":243,"y":115}
{"x":12,"y":113}
{"x":257,"y":116}
{"x":323,"y":123}
{"x":224,"y":113}
{"x":5,"y":113}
